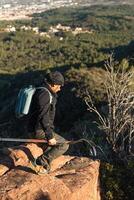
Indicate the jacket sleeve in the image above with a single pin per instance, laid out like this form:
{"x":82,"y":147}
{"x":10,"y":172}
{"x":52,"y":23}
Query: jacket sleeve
{"x":44,"y":118}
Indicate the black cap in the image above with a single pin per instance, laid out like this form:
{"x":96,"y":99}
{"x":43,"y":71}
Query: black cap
{"x":55,"y":78}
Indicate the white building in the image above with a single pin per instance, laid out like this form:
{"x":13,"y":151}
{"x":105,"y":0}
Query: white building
{"x":35,"y":29}
{"x":63,"y":28}
{"x":6,"y":6}
{"x":10,"y":29}
{"x":44,"y":34}
{"x":53,"y":30}
{"x":25,"y":28}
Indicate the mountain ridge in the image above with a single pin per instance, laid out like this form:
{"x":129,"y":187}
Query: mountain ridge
{"x":81,"y":2}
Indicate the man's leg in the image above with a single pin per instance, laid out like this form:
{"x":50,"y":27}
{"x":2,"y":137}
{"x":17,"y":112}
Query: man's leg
{"x":41,"y":135}
{"x":54,"y":151}
{"x":40,"y":167}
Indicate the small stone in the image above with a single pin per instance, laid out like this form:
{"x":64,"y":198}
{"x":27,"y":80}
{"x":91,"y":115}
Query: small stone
{"x":3,"y":169}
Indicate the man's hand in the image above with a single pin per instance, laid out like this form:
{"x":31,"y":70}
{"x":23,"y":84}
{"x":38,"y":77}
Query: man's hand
{"x":52,"y":141}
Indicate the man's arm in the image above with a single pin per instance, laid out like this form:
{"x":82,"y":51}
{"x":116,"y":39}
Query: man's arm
{"x":44,"y":118}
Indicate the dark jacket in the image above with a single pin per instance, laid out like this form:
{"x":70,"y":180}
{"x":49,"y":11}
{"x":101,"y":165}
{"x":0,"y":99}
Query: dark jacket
{"x":42,"y":113}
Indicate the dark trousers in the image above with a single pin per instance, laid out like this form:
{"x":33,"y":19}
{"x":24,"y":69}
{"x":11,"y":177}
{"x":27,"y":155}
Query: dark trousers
{"x":52,"y":152}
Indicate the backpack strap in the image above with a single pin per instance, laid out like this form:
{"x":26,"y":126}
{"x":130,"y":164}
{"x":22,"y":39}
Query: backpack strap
{"x":50,"y":95}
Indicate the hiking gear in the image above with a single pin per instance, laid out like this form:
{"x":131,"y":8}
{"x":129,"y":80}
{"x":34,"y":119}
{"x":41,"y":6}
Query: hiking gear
{"x":42,"y":113}
{"x":55,"y":78}
{"x":43,"y":141}
{"x":92,"y":150}
{"x":38,"y":169}
{"x":43,"y":162}
{"x":23,"y":140}
{"x":24,"y":100}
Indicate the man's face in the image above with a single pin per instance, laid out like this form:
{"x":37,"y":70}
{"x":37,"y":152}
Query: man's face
{"x":56,"y":88}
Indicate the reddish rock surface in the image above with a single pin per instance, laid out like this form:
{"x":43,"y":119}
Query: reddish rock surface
{"x":72,"y":178}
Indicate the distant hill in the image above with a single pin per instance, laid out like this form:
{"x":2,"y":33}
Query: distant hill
{"x":81,"y":2}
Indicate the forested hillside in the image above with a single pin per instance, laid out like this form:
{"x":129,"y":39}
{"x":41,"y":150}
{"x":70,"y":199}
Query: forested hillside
{"x":26,"y":56}
{"x":100,"y":18}
{"x":112,"y":27}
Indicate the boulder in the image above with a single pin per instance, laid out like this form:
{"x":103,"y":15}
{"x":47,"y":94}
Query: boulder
{"x":72,"y":178}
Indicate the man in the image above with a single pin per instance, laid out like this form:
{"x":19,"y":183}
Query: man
{"x":41,"y":123}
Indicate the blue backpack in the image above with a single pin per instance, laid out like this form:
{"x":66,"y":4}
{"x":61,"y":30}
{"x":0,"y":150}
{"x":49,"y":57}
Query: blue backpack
{"x":24,"y":100}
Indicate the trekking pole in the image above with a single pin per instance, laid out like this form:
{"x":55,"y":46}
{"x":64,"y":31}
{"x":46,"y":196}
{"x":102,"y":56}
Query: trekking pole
{"x":45,"y":141}
{"x":36,"y":140}
{"x":22,"y":140}
{"x":39,"y":140}
{"x":92,"y":145}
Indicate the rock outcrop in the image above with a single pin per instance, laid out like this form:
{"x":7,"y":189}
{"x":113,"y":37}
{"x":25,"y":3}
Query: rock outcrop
{"x":72,"y":178}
